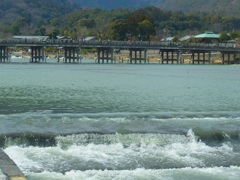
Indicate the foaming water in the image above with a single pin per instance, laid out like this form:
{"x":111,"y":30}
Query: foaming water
{"x":46,"y":122}
{"x":215,"y":173}
{"x":121,"y":121}
{"x":114,"y":154}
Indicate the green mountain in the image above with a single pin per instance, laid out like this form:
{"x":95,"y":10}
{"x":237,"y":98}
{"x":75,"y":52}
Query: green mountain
{"x":24,"y":15}
{"x":224,"y":7}
{"x":113,"y":4}
{"x":35,"y":9}
{"x":73,"y":18}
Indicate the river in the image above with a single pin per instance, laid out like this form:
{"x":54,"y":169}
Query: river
{"x":121,"y":121}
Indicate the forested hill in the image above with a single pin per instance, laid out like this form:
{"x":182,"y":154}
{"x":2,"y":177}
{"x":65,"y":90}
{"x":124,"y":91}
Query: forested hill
{"x":225,"y":7}
{"x":35,"y":9}
{"x":25,"y":15}
{"x":113,"y":4}
{"x":70,"y":18}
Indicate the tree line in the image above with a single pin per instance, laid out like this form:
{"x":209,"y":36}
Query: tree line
{"x":144,"y":24}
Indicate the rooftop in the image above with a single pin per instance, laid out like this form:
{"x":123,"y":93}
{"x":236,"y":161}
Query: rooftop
{"x":208,"y":35}
{"x":30,"y":37}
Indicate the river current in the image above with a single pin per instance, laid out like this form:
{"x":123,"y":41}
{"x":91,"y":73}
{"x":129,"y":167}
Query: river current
{"x":121,"y":121}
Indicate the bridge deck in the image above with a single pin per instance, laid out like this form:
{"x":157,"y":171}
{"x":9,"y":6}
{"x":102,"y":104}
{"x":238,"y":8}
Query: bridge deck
{"x":123,"y":45}
{"x":137,"y":50}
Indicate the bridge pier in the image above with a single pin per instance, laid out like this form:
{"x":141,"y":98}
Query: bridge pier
{"x":71,"y":54}
{"x":170,"y":55}
{"x":104,"y":54}
{"x":4,"y":56}
{"x":230,"y":57}
{"x":199,"y":57}
{"x":37,"y":54}
{"x":139,"y":55}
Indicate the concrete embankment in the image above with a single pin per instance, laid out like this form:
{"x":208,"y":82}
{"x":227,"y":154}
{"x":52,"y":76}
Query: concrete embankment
{"x":9,"y":168}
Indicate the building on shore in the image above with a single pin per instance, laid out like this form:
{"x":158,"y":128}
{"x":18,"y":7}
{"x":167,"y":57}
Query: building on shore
{"x":207,"y":37}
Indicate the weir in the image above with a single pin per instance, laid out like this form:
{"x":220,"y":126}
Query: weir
{"x":9,"y":168}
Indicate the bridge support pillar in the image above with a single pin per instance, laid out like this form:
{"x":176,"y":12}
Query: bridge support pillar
{"x":4,"y":56}
{"x":138,"y":55}
{"x":105,"y":55}
{"x":71,"y":55}
{"x":199,"y":57}
{"x":170,"y":55}
{"x":230,"y":57}
{"x":37,"y":54}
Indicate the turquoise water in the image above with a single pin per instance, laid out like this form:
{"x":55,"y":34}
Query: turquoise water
{"x":121,"y":121}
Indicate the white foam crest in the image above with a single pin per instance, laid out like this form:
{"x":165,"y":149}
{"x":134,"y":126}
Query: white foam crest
{"x":196,"y":153}
{"x":19,"y":156}
{"x":118,"y":120}
{"x":125,"y":139}
{"x":214,"y":173}
{"x":68,"y":117}
{"x":196,"y":119}
{"x":117,"y":156}
{"x":36,"y":159}
{"x":2,"y":176}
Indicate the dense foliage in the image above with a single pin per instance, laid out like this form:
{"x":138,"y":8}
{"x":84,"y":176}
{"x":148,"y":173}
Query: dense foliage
{"x":54,"y":17}
{"x":113,"y":4}
{"x":141,"y":24}
{"x":221,"y":7}
{"x":226,"y":7}
{"x":23,"y":16}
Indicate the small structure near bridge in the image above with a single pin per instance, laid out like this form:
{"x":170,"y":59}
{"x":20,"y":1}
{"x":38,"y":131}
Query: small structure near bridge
{"x":208,"y":37}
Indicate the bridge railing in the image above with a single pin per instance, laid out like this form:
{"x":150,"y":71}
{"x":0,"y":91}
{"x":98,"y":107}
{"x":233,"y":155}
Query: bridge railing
{"x":118,"y":44}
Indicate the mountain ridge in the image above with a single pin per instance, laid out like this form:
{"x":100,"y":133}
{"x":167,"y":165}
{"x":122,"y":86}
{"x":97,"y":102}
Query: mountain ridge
{"x":27,"y":14}
{"x":225,"y":7}
{"x":69,"y":18}
{"x":113,"y":4}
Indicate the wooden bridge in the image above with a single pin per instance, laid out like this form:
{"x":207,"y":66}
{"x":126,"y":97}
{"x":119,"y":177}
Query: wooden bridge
{"x":169,"y":52}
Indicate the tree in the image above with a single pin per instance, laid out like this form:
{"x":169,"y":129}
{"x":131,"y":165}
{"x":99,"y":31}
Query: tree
{"x":119,"y":29}
{"x":140,"y":24}
{"x":87,"y":22}
{"x":146,"y":30}
{"x":102,"y":30}
{"x":224,"y":37}
{"x":234,"y":35}
{"x":175,"y":39}
{"x":73,"y":34}
{"x":54,"y":34}
{"x":40,"y":32}
{"x":15,"y":30}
